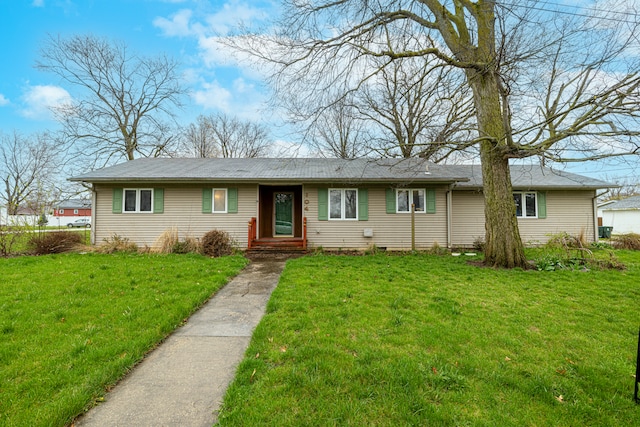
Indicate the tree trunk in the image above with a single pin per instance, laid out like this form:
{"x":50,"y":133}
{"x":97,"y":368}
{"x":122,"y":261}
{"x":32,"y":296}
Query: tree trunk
{"x":503,"y":245}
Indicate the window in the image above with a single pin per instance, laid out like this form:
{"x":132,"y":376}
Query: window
{"x":343,"y":204}
{"x":526,"y":204}
{"x":406,"y":197}
{"x":219,"y":200}
{"x":61,"y":212}
{"x":75,"y":211}
{"x":138,"y":200}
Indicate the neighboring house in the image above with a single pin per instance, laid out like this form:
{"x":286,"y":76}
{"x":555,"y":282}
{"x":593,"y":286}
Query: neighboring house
{"x":73,"y":207}
{"x":329,"y":203}
{"x":622,"y":215}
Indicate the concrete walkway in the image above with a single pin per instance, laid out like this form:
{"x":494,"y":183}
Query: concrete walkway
{"x":183,"y":381}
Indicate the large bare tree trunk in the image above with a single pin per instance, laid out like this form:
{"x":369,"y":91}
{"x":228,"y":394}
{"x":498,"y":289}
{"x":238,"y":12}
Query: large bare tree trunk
{"x":503,"y":245}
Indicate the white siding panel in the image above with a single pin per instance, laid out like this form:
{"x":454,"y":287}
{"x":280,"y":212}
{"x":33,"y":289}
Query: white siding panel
{"x":567,"y":211}
{"x":182,"y":209}
{"x":622,"y":221}
{"x":391,"y":231}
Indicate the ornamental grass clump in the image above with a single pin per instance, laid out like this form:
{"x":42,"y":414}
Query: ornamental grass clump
{"x":217,"y":243}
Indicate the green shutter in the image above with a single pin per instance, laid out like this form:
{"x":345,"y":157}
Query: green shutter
{"x":158,"y":200}
{"x":363,"y":204}
{"x":207,"y":200}
{"x":232,"y":200}
{"x":542,"y":205}
{"x":430,"y":201}
{"x":117,"y":201}
{"x":323,"y":204}
{"x":391,"y":200}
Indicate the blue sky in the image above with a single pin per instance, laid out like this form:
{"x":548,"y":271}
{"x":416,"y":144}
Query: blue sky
{"x":184,"y":29}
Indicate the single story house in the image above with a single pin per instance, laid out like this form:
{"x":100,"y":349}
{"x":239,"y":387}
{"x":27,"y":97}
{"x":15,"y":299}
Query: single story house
{"x":73,"y":207}
{"x":623,"y":215}
{"x":329,"y":203}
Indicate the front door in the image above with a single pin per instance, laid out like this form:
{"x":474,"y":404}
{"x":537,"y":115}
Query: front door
{"x":283,"y":213}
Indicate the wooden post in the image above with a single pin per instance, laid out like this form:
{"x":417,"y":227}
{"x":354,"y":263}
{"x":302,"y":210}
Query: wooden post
{"x":413,"y":226}
{"x":304,"y":233}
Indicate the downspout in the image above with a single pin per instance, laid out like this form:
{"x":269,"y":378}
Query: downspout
{"x":594,"y":200}
{"x":94,"y":205}
{"x":449,"y":218}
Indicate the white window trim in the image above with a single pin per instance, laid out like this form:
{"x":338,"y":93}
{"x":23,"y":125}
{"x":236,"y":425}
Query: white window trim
{"x":342,"y":204}
{"x":213,"y":200}
{"x":60,"y":211}
{"x":424,"y":196}
{"x":137,"y":190}
{"x":524,"y":206}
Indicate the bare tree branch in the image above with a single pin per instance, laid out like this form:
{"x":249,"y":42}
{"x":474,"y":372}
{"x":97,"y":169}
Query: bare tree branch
{"x":123,"y":102}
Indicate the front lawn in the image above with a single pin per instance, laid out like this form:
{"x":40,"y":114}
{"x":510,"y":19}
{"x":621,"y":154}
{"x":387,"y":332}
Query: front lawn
{"x":71,"y":325}
{"x":430,"y":340}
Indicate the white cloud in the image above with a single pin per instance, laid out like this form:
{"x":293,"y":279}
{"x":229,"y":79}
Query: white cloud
{"x":39,"y":100}
{"x":37,"y":3}
{"x":3,"y":100}
{"x":177,"y":26}
{"x":213,"y":96}
{"x":231,"y":15}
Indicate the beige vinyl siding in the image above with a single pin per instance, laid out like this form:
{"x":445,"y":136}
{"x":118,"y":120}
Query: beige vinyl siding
{"x":567,"y":211}
{"x":182,"y":209}
{"x":391,"y":231}
{"x":467,"y":217}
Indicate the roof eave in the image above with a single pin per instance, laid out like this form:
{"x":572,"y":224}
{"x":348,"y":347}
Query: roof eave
{"x":111,"y":180}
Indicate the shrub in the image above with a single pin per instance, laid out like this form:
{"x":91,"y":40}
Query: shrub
{"x":217,"y":243}
{"x":566,"y":241}
{"x":436,"y":249}
{"x":187,"y":246}
{"x":54,"y":242}
{"x":478,"y":244}
{"x":117,"y":244}
{"x":10,"y":237}
{"x":626,"y":241}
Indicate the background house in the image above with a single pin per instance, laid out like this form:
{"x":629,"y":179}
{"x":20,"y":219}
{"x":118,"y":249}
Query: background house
{"x":73,"y":208}
{"x":622,"y":215}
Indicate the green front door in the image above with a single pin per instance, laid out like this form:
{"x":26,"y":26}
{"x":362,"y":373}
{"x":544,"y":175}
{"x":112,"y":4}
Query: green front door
{"x":283,"y":207}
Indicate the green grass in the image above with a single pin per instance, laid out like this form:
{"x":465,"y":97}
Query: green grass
{"x":428,"y":340}
{"x":71,"y":325}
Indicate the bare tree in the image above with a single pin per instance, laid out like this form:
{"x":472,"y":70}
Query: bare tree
{"x":626,"y":188}
{"x":123,"y":106}
{"x":417,"y":109}
{"x":27,"y":167}
{"x":218,"y":135}
{"x":199,"y":139}
{"x":558,"y":86}
{"x":339,"y":132}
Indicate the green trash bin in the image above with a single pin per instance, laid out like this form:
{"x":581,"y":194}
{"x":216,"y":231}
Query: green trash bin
{"x":604,"y":232}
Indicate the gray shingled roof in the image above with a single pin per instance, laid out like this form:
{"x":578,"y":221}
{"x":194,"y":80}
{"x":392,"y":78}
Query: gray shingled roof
{"x":525,"y":177}
{"x":630,"y":203}
{"x":295,"y":170}
{"x":74,"y":204}
{"x":273,"y":170}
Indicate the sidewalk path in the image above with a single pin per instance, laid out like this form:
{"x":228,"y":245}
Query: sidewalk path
{"x":183,"y":381}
